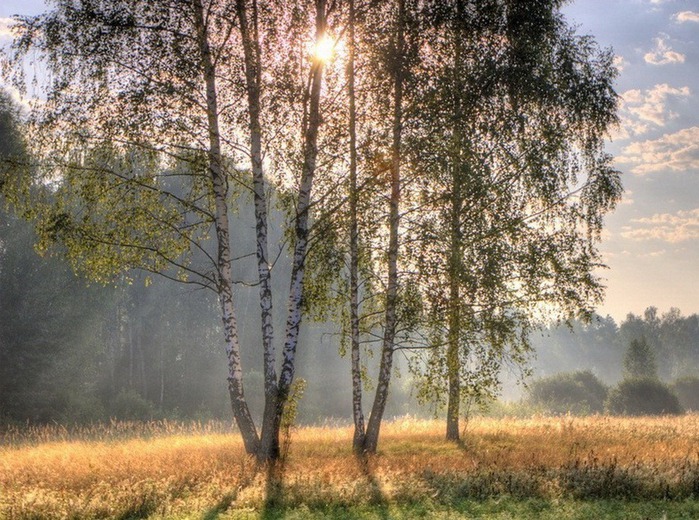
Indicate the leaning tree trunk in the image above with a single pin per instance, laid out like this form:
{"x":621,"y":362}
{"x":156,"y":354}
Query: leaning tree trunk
{"x":251,"y":49}
{"x":225,"y":277}
{"x":374,"y":425}
{"x":357,"y":413}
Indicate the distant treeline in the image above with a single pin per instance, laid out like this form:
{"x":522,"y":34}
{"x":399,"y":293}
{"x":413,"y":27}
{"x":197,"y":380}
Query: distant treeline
{"x":601,"y":344}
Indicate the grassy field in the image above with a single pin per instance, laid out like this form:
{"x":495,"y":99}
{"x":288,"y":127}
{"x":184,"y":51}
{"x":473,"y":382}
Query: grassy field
{"x":597,"y":467}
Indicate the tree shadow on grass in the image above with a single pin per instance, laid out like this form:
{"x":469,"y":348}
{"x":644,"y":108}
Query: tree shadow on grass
{"x":377,"y":498}
{"x":273,"y":506}
{"x":247,"y":477}
{"x":220,"y":507}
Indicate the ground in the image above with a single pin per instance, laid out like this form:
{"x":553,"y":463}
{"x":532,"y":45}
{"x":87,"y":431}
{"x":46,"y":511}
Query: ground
{"x":564,"y":467}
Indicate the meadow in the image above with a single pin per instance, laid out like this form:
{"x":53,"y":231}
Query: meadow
{"x":542,"y":467}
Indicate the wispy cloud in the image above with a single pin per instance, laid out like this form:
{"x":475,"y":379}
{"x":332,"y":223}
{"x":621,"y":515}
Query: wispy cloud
{"x":662,"y":53}
{"x":620,"y":62}
{"x":642,"y":109}
{"x":672,"y":152}
{"x":687,"y":16}
{"x":627,"y":198}
{"x":668,"y":227}
{"x":654,"y":254}
{"x":652,"y":105}
{"x":5,"y":24}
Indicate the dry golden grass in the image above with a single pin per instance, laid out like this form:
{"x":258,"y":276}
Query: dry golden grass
{"x":173,"y":470}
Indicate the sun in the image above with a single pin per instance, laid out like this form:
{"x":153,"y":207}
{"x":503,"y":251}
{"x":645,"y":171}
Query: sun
{"x":324,"y":48}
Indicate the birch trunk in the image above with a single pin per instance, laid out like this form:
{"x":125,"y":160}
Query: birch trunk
{"x":251,"y":48}
{"x":357,"y":413}
{"x":454,"y":320}
{"x":270,"y":450}
{"x":225,"y":278}
{"x":381,"y":396}
{"x":456,"y":253}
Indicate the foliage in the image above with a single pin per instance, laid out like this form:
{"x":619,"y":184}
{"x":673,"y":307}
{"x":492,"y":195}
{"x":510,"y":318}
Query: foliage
{"x":579,"y":393}
{"x":576,"y":344}
{"x":290,"y":416}
{"x":687,"y":391}
{"x":50,"y":333}
{"x":145,"y":138}
{"x":639,"y":360}
{"x":642,"y":396}
{"x":144,"y":131}
{"x":129,"y":405}
{"x":67,"y":349}
{"x":601,"y":344}
{"x":513,"y":110}
{"x":12,"y":150}
{"x":671,"y":336}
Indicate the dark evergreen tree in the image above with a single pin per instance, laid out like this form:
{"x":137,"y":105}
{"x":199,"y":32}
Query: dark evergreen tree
{"x":639,"y":360}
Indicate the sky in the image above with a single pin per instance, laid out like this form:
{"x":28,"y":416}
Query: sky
{"x":651,"y":241}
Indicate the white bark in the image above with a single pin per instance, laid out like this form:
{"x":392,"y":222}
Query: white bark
{"x":250,"y":38}
{"x":357,"y":413}
{"x":225,"y":275}
{"x":310,"y":153}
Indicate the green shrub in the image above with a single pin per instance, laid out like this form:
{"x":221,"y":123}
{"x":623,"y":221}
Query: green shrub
{"x":128,"y":405}
{"x":82,"y":409}
{"x":642,"y":396}
{"x":575,"y":392}
{"x":687,"y":391}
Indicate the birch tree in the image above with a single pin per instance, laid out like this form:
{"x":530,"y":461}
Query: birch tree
{"x":379,"y":49}
{"x":520,"y":106}
{"x":143,"y":133}
{"x":355,"y":348}
{"x":391,"y":299}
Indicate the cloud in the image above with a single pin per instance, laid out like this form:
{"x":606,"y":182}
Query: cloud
{"x":620,"y":62}
{"x":687,"y":16}
{"x":672,"y":152}
{"x":651,"y":105}
{"x":5,"y":24}
{"x":639,"y":109}
{"x":627,"y":198}
{"x":654,"y":254}
{"x":663,"y":54}
{"x":667,"y":227}
{"x":620,"y":254}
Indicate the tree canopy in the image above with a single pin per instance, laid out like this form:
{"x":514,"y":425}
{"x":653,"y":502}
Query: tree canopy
{"x":462,"y":141}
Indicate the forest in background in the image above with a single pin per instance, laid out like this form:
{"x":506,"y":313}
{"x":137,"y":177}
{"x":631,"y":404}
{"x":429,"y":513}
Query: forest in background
{"x":146,"y":348}
{"x":140,"y":349}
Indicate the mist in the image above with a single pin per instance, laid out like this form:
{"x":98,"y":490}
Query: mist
{"x":146,"y":347}
{"x":149,"y":348}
